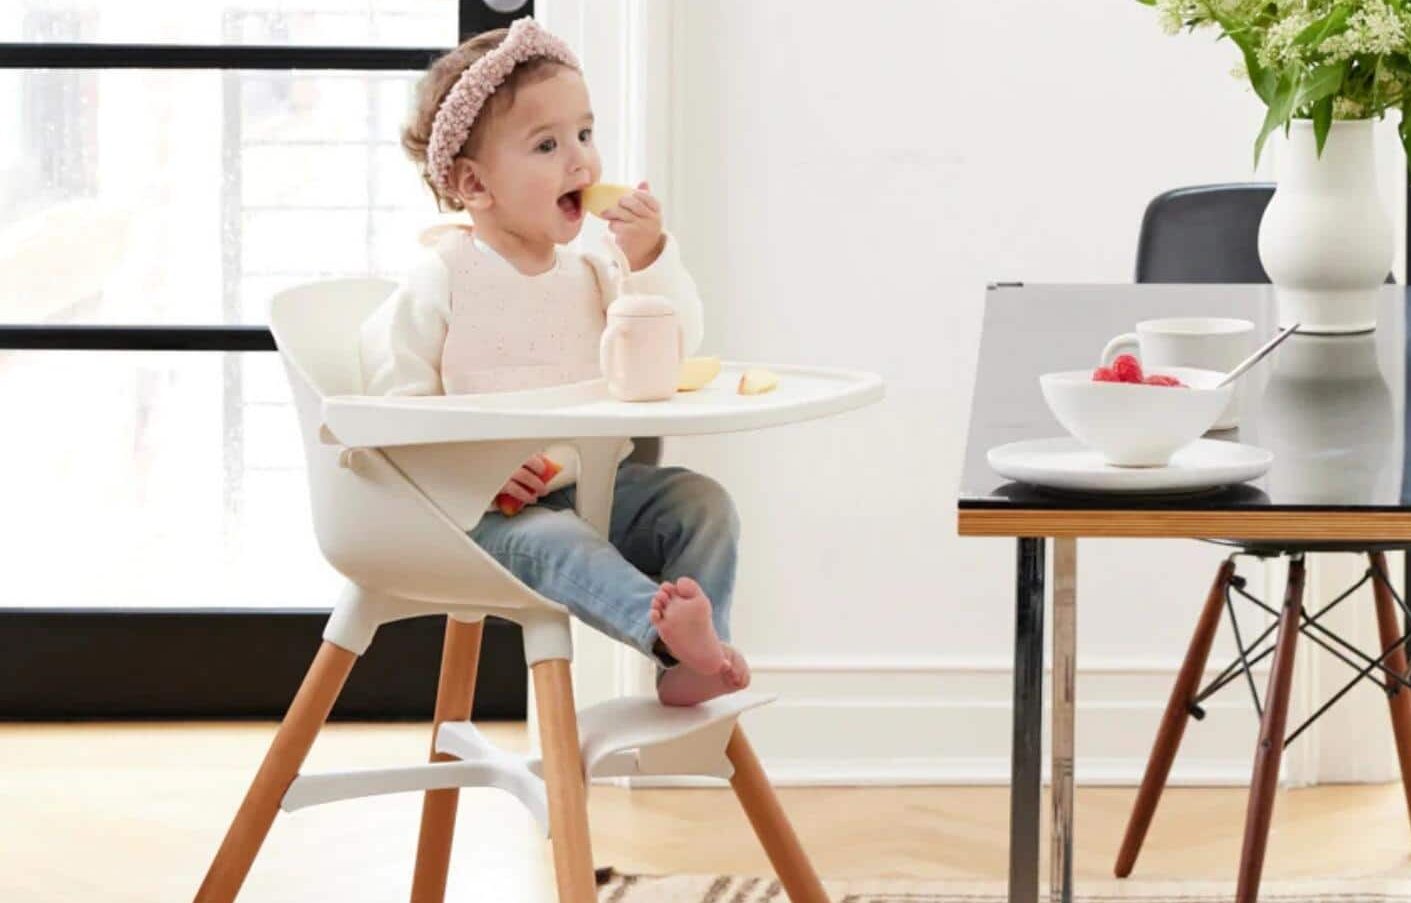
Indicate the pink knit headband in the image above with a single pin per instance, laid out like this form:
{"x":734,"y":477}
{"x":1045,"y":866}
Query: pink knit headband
{"x":455,"y":116}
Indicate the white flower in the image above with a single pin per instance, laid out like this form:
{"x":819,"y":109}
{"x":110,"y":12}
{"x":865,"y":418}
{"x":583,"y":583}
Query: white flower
{"x":1347,"y":108}
{"x":1171,"y":14}
{"x":1374,"y":30}
{"x":1278,"y":47}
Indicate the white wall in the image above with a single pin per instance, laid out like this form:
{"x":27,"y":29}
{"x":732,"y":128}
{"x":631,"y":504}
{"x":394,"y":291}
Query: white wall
{"x":845,"y":178}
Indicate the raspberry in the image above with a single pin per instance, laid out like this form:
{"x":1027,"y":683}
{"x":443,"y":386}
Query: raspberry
{"x":1158,"y":379}
{"x":1105,"y":375}
{"x":1127,"y":369}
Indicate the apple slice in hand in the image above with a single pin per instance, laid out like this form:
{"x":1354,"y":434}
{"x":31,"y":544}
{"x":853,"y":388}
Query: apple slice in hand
{"x":697,"y":372}
{"x":757,"y":382}
{"x":510,"y":506}
{"x":602,"y":196}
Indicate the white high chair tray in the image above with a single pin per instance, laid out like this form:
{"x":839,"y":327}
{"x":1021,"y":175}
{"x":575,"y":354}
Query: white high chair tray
{"x":583,"y":410}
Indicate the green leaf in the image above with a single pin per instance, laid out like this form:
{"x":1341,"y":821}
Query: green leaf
{"x":1322,"y":122}
{"x":1322,"y":82}
{"x":1333,"y":23}
{"x":1280,"y":111}
{"x":1264,"y":81}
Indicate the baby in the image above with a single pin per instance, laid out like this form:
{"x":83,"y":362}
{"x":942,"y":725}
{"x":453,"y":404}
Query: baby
{"x":503,"y":129}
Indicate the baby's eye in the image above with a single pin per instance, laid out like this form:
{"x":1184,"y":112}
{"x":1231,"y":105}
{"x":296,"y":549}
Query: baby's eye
{"x":546,"y":146}
{"x":586,"y":136}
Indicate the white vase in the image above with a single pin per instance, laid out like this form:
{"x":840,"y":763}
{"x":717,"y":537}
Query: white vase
{"x":1326,"y":240}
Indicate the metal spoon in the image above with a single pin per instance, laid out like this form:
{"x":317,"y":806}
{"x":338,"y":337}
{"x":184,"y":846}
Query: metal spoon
{"x":1257,"y":356}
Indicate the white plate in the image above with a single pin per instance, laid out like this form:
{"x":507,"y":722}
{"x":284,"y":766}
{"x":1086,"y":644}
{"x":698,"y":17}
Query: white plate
{"x":1065,"y":463}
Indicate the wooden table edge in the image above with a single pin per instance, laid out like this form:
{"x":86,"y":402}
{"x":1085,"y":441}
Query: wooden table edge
{"x":1325,"y":526}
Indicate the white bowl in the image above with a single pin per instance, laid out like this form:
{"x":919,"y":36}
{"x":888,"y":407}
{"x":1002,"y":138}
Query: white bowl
{"x":1135,"y":425}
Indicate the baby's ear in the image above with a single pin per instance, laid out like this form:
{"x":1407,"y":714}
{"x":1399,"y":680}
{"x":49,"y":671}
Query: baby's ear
{"x":466,"y":183}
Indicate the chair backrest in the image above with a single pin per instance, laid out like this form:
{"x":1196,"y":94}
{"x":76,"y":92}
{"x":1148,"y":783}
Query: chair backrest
{"x":316,"y":328}
{"x":1204,"y":233}
{"x":374,"y":524}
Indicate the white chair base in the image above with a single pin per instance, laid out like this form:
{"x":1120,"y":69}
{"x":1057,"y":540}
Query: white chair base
{"x":619,"y":738}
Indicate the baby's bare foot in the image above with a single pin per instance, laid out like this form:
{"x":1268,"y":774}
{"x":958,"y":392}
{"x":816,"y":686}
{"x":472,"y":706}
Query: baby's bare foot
{"x":681,"y":613}
{"x":683,"y":687}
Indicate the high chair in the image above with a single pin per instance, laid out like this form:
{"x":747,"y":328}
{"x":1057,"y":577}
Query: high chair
{"x":392,"y":517}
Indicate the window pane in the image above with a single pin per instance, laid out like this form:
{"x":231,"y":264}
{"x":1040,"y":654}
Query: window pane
{"x":153,"y":480}
{"x":363,"y":23}
{"x":145,"y":196}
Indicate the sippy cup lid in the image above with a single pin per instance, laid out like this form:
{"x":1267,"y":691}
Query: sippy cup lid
{"x":641,"y":306}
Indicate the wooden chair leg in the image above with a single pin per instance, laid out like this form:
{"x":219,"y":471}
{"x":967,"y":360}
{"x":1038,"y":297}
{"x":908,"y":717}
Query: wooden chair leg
{"x":1398,"y":697}
{"x":455,"y":695}
{"x":1173,"y":723}
{"x":1271,"y":741}
{"x":286,"y":754}
{"x":772,"y":826}
{"x":563,"y":775}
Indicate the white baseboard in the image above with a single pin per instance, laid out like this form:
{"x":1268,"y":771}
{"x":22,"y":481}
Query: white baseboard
{"x":858,"y":722}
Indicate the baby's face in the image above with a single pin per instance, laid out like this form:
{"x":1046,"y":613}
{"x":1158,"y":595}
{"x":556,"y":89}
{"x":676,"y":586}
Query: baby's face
{"x":537,"y":157}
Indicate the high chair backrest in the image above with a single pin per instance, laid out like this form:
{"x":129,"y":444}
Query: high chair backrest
{"x":316,"y":328}
{"x":373,"y":524}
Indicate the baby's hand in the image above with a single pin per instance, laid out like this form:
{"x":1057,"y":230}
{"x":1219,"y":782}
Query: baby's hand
{"x":635,"y":222}
{"x":527,"y":484}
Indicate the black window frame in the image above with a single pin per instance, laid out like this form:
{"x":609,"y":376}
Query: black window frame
{"x":202,"y":662}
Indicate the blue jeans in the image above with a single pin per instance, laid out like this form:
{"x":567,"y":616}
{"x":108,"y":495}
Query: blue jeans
{"x":667,"y":522}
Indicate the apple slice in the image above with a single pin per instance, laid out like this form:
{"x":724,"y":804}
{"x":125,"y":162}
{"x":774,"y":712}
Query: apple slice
{"x":757,"y":382}
{"x":600,"y":197}
{"x":510,"y":506}
{"x":696,"y":372}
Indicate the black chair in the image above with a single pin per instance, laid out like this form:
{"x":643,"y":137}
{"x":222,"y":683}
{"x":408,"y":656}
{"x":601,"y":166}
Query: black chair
{"x":1210,"y":234}
{"x":646,"y":450}
{"x":1206,"y":233}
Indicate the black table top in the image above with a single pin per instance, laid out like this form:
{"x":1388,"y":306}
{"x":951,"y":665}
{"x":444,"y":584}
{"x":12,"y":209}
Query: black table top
{"x":1331,"y":408}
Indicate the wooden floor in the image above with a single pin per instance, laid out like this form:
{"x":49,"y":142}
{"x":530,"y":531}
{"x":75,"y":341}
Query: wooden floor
{"x":130,"y":813}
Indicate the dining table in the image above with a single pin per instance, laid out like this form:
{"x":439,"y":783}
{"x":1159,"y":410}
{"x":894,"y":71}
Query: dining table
{"x":1330,"y":408}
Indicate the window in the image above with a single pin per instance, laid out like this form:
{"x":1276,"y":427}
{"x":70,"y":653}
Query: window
{"x":173,"y":165}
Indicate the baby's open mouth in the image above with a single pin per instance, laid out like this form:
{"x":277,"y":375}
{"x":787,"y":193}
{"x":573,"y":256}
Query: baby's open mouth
{"x":572,"y":204}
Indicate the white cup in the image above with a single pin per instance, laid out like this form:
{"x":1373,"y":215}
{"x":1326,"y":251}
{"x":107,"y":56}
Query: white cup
{"x":1210,"y":343}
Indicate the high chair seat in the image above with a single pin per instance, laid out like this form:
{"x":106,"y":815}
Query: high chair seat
{"x":395,"y":485}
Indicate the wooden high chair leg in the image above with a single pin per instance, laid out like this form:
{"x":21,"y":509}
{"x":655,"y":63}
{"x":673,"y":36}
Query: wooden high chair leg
{"x":301,"y":724}
{"x":1270,"y":750}
{"x":772,"y":826}
{"x":564,"y":780}
{"x":1398,"y":697}
{"x":455,"y":694}
{"x":1173,"y":723}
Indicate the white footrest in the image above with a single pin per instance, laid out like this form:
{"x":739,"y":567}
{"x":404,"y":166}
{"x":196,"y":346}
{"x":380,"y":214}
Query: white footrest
{"x":640,"y":736}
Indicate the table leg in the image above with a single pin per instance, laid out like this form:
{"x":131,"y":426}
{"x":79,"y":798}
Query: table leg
{"x":1026,"y":751}
{"x":1065,"y":596}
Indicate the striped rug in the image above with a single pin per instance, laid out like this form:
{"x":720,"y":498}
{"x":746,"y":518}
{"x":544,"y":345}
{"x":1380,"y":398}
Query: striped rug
{"x":735,"y":889}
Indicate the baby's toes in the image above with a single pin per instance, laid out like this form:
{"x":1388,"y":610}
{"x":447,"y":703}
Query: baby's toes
{"x":688,"y":587}
{"x":738,"y":670}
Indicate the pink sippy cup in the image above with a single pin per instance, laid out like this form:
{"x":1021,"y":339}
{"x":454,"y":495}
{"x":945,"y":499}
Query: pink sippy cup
{"x":641,"y":349}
